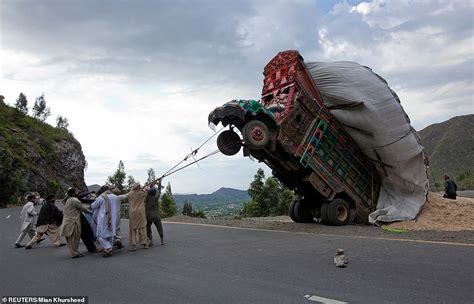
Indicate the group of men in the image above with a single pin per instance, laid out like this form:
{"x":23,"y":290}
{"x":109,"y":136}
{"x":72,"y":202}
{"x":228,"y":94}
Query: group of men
{"x":99,"y":222}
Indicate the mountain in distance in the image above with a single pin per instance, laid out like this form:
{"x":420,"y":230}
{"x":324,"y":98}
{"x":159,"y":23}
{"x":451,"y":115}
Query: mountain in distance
{"x":219,"y":197}
{"x":93,"y":188}
{"x":449,"y":146}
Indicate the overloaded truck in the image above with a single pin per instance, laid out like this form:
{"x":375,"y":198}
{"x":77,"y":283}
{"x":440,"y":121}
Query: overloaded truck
{"x":308,"y":150}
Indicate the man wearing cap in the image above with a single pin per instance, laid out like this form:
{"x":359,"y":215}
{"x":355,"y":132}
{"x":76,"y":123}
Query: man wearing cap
{"x":47,"y":223}
{"x":28,"y":219}
{"x":137,"y":222}
{"x":71,"y":227}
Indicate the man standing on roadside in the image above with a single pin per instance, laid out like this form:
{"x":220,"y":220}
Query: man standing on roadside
{"x":28,"y":219}
{"x":71,"y":227}
{"x":152,"y":208}
{"x":48,"y":219}
{"x":450,"y":188}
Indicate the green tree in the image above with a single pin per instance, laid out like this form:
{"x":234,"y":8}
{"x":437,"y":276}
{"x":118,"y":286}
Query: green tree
{"x":151,"y":175}
{"x":286,"y":195}
{"x":2,"y":99}
{"x":21,"y":104}
{"x":257,"y":184}
{"x":269,"y":198}
{"x":130,"y":181}
{"x":199,"y":214}
{"x":61,"y":122}
{"x":168,"y":207}
{"x":40,"y":110}
{"x":118,"y":178}
{"x":187,"y":209}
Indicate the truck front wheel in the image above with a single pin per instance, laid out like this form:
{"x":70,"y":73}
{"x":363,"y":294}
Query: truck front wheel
{"x":256,"y":134}
{"x":229,"y":142}
{"x":338,"y":212}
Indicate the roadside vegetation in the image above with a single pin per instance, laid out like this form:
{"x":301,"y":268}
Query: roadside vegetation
{"x":21,"y":136}
{"x":268,"y":197}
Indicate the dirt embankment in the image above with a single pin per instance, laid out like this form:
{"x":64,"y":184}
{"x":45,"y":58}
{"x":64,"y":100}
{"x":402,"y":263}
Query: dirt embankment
{"x":442,"y":214}
{"x":440,"y":220}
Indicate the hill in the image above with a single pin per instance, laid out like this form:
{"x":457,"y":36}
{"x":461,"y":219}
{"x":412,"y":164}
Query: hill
{"x":450,"y":149}
{"x":223,"y":195}
{"x":93,"y":187}
{"x":225,"y":201}
{"x":35,"y":156}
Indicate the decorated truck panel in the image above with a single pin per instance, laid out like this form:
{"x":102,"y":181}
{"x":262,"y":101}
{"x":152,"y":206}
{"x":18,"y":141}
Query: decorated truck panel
{"x":292,"y":131}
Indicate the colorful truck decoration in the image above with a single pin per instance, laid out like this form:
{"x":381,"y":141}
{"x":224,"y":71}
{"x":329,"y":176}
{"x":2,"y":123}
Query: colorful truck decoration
{"x":291,"y":131}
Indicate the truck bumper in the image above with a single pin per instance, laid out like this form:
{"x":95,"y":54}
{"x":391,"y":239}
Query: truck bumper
{"x":227,"y":114}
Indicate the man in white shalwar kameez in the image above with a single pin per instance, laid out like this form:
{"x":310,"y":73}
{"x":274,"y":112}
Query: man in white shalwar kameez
{"x":28,"y":220}
{"x":105,"y":213}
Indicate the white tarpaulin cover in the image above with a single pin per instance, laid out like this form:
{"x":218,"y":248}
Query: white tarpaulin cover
{"x":372,"y":114}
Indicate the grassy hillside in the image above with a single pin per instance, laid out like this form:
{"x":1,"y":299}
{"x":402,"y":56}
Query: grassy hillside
{"x":35,"y":156}
{"x":450,"y":149}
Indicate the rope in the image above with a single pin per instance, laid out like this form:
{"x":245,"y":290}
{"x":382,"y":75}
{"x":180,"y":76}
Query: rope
{"x":197,"y":160}
{"x":192,"y":154}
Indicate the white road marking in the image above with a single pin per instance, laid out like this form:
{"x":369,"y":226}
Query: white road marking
{"x":323,"y":300}
{"x":8,"y":216}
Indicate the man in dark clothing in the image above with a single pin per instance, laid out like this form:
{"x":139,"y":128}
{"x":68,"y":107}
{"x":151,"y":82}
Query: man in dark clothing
{"x":87,"y":234}
{"x":450,"y":188}
{"x":47,"y":223}
{"x":152,"y":210}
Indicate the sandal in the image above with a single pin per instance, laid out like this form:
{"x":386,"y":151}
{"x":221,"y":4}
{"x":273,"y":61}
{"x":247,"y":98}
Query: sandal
{"x":107,"y":253}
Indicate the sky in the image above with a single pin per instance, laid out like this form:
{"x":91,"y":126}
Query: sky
{"x":137,"y":79}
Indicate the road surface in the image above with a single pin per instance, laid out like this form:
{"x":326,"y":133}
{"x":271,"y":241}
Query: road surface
{"x":205,"y":264}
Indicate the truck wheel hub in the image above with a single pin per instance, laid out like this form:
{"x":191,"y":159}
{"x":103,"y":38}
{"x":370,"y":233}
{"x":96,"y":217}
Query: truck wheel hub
{"x":341,"y":213}
{"x":257,"y":134}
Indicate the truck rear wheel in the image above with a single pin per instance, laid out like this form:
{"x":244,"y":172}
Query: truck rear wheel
{"x":229,"y":142}
{"x":256,"y":134}
{"x":302,"y":213}
{"x":324,"y":212}
{"x":339,"y":212}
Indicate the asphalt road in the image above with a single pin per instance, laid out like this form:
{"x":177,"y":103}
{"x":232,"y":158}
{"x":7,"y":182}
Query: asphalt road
{"x":204,"y":264}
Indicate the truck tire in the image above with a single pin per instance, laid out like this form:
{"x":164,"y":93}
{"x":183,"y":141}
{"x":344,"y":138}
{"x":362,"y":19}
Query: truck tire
{"x":302,"y":214}
{"x":339,"y":212}
{"x":229,"y":142}
{"x":256,"y":134}
{"x":291,"y":210}
{"x":324,"y":212}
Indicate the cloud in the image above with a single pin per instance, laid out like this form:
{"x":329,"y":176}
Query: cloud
{"x":420,"y":48}
{"x":137,"y":80}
